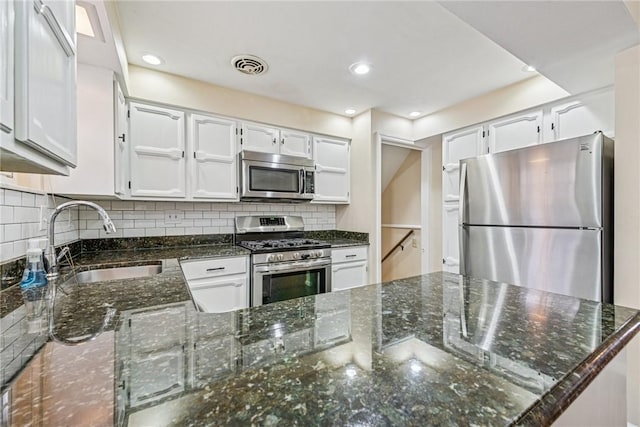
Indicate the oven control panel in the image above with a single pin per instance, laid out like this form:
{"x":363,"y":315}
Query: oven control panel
{"x":289,"y":256}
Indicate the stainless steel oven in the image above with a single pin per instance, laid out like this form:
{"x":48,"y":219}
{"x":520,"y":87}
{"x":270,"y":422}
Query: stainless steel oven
{"x":272,"y":176}
{"x":291,"y":274}
{"x":285,"y":264}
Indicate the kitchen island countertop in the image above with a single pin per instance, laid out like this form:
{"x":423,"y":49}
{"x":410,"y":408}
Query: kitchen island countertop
{"x":434,"y":349}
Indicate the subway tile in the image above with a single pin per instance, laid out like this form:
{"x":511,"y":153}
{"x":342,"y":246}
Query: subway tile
{"x":175,"y":231}
{"x":121,"y":206}
{"x":193,"y":230}
{"x":28,"y":199}
{"x":86,"y":214}
{"x":12,"y":198}
{"x":144,"y":206}
{"x":145,"y":223}
{"x":154,"y":232}
{"x":193,"y":214}
{"x":210,"y":230}
{"x":12,"y":232}
{"x":115,"y":214}
{"x":165,"y":206}
{"x":90,"y":234}
{"x":105,"y":235}
{"x":132,"y":215}
{"x":133,"y":232}
{"x":212,"y":214}
{"x":202,"y":222}
{"x":226,"y":230}
{"x":226,"y":215}
{"x":6,"y":214}
{"x":154,"y":215}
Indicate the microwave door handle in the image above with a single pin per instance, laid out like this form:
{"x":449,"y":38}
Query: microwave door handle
{"x":302,"y":182}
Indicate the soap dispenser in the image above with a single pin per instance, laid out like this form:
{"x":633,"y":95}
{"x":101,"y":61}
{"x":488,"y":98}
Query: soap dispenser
{"x":34,"y":289}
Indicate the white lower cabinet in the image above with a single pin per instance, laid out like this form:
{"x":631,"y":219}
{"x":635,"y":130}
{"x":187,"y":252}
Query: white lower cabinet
{"x":333,"y":320}
{"x":152,"y":354}
{"x":349,"y":267}
{"x":218,"y":285}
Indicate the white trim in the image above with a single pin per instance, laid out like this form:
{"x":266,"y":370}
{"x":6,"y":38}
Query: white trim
{"x":403,"y":226}
{"x":380,"y":139}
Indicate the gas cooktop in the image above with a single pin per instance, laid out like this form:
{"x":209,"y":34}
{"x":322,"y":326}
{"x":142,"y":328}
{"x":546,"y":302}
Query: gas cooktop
{"x":283,"y":244}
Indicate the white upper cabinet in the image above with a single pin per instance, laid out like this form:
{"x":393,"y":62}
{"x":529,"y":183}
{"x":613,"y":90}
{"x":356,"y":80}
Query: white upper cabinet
{"x":294,"y":143}
{"x":255,"y":137}
{"x":583,"y":116}
{"x":332,"y":180}
{"x":121,"y":141}
{"x":157,"y":148}
{"x":514,"y":132}
{"x":6,"y":69}
{"x":45,"y":77}
{"x":457,"y":146}
{"x":214,"y":172}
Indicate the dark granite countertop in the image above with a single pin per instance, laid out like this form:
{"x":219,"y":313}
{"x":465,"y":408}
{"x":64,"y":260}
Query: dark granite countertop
{"x":437,"y":349}
{"x":341,"y":243}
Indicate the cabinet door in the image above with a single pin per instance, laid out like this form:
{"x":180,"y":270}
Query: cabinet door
{"x":455,"y":147}
{"x":294,"y":143}
{"x":157,"y":151}
{"x":121,"y":141}
{"x":214,"y":173}
{"x":6,"y":68}
{"x":450,"y":245}
{"x":222,"y":294}
{"x":156,"y":376}
{"x":514,"y":132}
{"x":583,"y":116}
{"x":45,"y":78}
{"x":348,"y":275}
{"x":332,"y":180}
{"x":260,"y":138}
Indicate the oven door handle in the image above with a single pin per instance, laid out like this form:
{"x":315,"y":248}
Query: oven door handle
{"x":291,"y":267}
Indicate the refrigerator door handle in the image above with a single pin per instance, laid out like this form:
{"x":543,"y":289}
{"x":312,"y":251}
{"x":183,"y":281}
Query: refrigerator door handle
{"x":462,"y":198}
{"x":461,"y":210}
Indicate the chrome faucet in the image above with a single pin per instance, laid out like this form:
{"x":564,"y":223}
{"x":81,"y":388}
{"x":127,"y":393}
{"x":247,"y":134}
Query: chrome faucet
{"x":51,"y":252}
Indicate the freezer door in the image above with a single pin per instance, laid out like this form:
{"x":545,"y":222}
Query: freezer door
{"x":564,"y":261}
{"x":557,"y":184}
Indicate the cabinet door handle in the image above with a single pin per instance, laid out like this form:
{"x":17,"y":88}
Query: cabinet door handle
{"x":215,"y":269}
{"x":274,"y":140}
{"x":282,"y":141}
{"x":350,"y":256}
{"x":63,"y":38}
{"x":122,"y":138}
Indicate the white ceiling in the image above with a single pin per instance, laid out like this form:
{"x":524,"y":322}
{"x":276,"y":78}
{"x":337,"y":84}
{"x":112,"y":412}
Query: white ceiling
{"x":423,"y":57}
{"x":572,"y":43}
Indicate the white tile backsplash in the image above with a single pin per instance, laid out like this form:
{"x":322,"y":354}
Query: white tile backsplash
{"x":20,"y":221}
{"x":138,"y":219}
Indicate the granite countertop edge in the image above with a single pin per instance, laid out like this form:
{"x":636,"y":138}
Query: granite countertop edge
{"x":557,"y":400}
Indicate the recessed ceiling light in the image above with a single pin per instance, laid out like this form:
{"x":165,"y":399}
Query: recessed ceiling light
{"x":414,"y":113}
{"x":360,"y":68}
{"x":529,"y":69}
{"x":152,"y":59}
{"x":350,"y":111}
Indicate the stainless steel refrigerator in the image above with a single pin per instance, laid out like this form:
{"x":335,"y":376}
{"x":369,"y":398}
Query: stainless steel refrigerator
{"x":541,"y":217}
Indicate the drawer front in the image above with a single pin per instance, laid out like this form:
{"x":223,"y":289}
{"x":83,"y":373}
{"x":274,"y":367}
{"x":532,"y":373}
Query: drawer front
{"x":213,"y":267}
{"x":355,"y":253}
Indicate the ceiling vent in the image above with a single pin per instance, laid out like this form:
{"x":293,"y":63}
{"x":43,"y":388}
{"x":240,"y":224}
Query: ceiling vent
{"x":249,"y":64}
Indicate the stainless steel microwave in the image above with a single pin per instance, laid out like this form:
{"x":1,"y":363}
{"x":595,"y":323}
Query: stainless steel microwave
{"x":272,"y":176}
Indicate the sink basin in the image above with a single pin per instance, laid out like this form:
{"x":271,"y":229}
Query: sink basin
{"x":118,"y":273}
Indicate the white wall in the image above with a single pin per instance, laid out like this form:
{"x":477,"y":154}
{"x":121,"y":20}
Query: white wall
{"x":510,"y":99}
{"x":94,"y":173}
{"x":175,"y":90}
{"x":627,"y":206}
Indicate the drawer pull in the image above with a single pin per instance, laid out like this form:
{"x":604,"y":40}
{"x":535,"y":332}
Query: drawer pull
{"x":350,"y":256}
{"x":215,"y":269}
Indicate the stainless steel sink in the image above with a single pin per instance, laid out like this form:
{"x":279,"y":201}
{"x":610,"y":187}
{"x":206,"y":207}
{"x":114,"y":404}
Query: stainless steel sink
{"x":118,"y":273}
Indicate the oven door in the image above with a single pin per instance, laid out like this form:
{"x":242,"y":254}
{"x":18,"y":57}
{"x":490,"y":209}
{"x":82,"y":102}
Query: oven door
{"x":287,"y":280}
{"x":261,"y":180}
